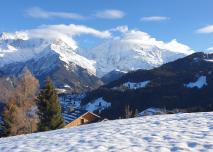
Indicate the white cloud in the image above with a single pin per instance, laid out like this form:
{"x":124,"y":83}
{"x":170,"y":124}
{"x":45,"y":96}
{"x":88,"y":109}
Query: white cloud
{"x":135,"y":37}
{"x":206,"y":29}
{"x":110,"y":14}
{"x":65,"y":32}
{"x":139,"y":37}
{"x":122,"y":29}
{"x":37,"y":12}
{"x":154,"y":18}
{"x":210,"y":49}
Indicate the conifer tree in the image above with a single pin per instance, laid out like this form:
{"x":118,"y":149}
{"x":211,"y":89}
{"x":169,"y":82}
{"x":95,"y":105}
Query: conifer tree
{"x":49,"y":109}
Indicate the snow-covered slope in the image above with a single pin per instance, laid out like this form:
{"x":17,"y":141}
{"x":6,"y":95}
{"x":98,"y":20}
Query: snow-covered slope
{"x":132,"y":85}
{"x":178,"y":132}
{"x":98,"y":104}
{"x":200,"y":83}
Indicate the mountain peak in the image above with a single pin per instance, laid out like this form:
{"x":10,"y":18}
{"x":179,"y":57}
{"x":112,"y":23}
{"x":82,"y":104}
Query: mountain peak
{"x":135,"y":50}
{"x":12,"y":36}
{"x":129,"y":54}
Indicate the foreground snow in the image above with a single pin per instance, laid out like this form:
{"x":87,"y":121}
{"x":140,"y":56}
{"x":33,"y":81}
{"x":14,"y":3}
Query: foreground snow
{"x":180,"y":132}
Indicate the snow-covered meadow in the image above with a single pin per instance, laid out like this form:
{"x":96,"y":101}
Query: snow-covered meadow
{"x":178,"y":132}
{"x":200,"y":83}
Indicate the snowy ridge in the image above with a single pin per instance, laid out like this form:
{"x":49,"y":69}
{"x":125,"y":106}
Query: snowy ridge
{"x":135,"y":50}
{"x":178,"y":132}
{"x":209,"y":60}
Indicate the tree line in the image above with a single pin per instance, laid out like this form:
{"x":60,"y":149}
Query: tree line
{"x":28,"y":108}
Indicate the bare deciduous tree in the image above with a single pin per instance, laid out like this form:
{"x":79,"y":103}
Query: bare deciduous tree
{"x":20,"y":113}
{"x":128,"y":112}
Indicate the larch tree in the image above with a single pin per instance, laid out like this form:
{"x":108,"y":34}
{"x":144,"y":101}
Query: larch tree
{"x":128,"y":112}
{"x":20,"y":116}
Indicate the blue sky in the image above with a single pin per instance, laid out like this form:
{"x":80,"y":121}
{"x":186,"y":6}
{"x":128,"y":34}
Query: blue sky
{"x":188,"y":21}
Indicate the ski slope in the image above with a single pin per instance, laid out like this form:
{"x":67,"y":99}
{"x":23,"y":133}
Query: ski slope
{"x":179,"y":132}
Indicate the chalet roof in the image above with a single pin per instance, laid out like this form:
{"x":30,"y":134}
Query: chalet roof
{"x":69,"y":116}
{"x":74,"y":114}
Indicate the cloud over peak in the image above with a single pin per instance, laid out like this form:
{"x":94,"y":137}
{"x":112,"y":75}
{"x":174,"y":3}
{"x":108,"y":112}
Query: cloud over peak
{"x":154,"y":18}
{"x":110,"y":14}
{"x":143,"y":38}
{"x":66,"y":33}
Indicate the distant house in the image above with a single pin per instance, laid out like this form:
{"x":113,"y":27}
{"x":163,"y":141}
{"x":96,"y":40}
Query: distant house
{"x":159,"y":111}
{"x":152,"y":111}
{"x":78,"y":117}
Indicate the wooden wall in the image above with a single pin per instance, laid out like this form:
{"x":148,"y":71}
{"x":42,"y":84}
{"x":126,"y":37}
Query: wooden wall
{"x":87,"y":118}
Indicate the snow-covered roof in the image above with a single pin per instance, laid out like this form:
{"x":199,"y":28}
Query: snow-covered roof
{"x":69,"y":116}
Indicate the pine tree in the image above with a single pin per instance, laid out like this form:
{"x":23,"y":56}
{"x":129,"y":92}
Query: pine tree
{"x":49,"y":108}
{"x":128,"y":112}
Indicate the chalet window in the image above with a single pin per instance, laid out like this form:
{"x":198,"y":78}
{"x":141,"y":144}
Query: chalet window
{"x":82,"y":121}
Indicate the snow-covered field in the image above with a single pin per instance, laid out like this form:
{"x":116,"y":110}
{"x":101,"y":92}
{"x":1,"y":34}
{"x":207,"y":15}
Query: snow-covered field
{"x":179,"y":132}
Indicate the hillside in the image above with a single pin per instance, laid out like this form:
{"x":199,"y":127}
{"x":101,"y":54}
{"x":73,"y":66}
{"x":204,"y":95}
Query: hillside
{"x":179,"y":132}
{"x":186,"y":83}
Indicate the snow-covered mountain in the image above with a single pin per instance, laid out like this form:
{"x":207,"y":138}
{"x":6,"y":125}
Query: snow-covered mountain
{"x":135,"y":50}
{"x":44,"y":57}
{"x":176,"y":132}
{"x":84,"y":68}
{"x":18,"y":47}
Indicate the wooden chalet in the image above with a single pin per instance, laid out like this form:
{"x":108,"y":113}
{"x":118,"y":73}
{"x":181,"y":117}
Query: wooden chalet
{"x":78,"y":117}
